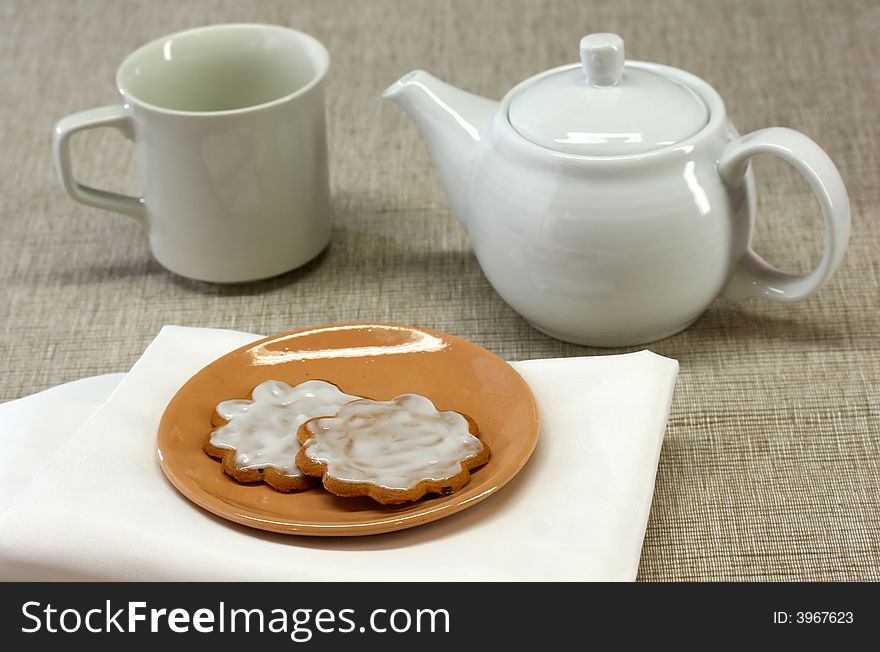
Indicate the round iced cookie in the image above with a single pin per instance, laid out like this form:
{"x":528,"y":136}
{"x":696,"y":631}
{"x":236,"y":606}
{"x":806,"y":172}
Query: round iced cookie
{"x":392,"y":451}
{"x":256,"y":438}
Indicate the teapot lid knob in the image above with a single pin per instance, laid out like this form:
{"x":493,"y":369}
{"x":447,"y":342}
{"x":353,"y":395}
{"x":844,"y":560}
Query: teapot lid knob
{"x":602,"y":58}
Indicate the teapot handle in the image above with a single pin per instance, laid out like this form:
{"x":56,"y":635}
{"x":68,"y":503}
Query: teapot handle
{"x":754,"y":276}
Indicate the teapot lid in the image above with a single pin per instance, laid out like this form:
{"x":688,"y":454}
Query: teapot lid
{"x":604,"y":107}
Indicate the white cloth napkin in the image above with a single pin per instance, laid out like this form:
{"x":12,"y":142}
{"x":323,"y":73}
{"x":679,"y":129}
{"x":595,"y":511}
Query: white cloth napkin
{"x":33,"y":428}
{"x":101,"y":508}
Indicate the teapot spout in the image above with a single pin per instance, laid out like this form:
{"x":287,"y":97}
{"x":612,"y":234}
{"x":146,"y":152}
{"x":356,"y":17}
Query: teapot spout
{"x":452,"y":122}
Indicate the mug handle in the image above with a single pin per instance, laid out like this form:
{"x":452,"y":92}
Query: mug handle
{"x":754,"y":276}
{"x":107,"y":116}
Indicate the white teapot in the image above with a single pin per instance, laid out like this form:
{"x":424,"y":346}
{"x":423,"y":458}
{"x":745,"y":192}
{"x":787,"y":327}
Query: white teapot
{"x":609,"y":202}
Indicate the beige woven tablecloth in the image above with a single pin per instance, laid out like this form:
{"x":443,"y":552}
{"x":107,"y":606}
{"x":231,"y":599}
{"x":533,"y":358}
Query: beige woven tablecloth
{"x":771,"y":464}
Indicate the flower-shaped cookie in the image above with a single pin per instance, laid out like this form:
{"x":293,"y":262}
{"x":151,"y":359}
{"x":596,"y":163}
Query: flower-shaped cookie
{"x":393,"y":451}
{"x":256,"y":438}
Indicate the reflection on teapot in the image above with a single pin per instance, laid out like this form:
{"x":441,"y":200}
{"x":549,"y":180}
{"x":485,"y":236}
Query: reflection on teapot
{"x":610,"y":201}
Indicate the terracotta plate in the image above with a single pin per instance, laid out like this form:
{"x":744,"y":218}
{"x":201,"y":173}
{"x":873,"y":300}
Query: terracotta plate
{"x":378,"y":361}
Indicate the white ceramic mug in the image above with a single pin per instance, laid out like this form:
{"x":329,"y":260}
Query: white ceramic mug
{"x":230,"y":149}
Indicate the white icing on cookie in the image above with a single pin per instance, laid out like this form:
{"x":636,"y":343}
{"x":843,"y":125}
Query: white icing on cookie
{"x":262,"y":431}
{"x":392,"y":444}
